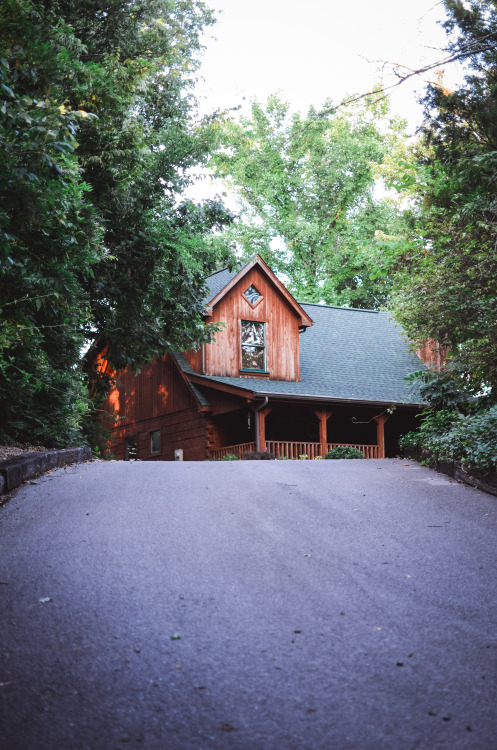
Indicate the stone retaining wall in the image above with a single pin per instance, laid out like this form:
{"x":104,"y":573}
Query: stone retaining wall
{"x":486,"y":481}
{"x":18,"y":469}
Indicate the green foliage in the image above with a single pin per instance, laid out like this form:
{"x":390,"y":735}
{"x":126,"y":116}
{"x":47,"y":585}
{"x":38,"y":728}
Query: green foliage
{"x":457,"y":424}
{"x":448,"y":389}
{"x":344,"y":451}
{"x":451,"y":435}
{"x":97,"y":250}
{"x":447,"y":280}
{"x":307,"y":194}
{"x":230,"y":457}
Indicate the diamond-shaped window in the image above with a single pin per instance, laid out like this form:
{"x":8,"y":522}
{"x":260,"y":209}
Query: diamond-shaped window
{"x":252,"y":295}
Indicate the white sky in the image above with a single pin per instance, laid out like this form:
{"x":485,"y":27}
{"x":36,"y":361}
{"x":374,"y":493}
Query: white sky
{"x":311,"y":50}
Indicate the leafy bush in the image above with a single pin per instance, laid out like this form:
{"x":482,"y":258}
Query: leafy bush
{"x":230,"y":457}
{"x":344,"y":451}
{"x":451,"y":435}
{"x":258,"y":456}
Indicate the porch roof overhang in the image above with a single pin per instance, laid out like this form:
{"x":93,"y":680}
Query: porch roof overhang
{"x":335,"y":400}
{"x":252,"y":394}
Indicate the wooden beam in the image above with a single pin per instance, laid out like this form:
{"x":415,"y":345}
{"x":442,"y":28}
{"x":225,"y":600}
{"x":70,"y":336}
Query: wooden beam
{"x":380,"y":432}
{"x":211,"y":383}
{"x":323,"y":415}
{"x":260,"y":427}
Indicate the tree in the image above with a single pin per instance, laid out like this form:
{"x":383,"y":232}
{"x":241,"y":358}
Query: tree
{"x":308,"y":202}
{"x":96,"y":137}
{"x":448,"y":288}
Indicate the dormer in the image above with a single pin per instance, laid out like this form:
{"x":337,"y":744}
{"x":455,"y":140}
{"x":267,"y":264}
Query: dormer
{"x":262,"y":324}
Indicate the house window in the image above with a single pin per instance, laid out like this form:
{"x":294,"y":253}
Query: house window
{"x":253,"y":346}
{"x":252,"y":295}
{"x":155,"y":441}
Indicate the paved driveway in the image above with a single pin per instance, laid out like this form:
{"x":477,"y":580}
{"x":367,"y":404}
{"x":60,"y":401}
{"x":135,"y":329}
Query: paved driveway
{"x":255,"y":605}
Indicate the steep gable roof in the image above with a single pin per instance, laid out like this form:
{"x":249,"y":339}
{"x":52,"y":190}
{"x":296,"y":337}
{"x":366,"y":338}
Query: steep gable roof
{"x":221,"y":282}
{"x":357,"y":354}
{"x":348,"y":355}
{"x":218,"y":281}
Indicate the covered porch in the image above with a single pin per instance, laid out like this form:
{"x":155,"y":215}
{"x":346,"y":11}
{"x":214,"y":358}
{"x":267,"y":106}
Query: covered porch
{"x":292,"y":430}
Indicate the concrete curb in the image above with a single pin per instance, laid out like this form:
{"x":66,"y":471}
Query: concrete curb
{"x":16,"y":470}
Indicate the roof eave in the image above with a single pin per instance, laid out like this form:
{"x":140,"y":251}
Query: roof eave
{"x":335,"y":400}
{"x":252,"y":394}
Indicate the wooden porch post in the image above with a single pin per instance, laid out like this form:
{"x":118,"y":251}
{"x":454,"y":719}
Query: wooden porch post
{"x":260,"y":427}
{"x":323,"y":415}
{"x":380,"y":432}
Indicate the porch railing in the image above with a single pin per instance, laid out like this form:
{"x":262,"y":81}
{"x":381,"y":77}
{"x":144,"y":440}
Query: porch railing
{"x":236,"y":450}
{"x":285,"y":449}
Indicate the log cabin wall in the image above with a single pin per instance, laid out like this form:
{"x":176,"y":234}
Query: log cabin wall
{"x":157,"y":390}
{"x":156,"y":399}
{"x":223,"y":357}
{"x":187,"y":429}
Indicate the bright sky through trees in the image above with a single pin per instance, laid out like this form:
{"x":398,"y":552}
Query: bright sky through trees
{"x":318,"y":49}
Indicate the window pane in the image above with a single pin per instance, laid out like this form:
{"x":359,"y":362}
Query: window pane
{"x":252,"y":294}
{"x":252,"y":333}
{"x":252,"y":357}
{"x":155,"y":441}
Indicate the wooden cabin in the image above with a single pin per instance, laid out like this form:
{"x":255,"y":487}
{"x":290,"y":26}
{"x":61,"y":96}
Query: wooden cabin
{"x":281,"y":376}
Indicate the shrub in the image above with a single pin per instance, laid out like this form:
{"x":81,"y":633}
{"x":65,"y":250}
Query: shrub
{"x":344,"y":451}
{"x":230,"y":457}
{"x":258,"y":456}
{"x":452,"y":436}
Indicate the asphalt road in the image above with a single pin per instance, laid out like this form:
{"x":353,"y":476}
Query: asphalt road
{"x":248,"y":605}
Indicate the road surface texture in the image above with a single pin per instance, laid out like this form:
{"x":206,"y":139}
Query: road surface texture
{"x":250,"y":605}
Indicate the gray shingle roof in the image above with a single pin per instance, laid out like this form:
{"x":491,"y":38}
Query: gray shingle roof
{"x":348,"y":354}
{"x":218,"y":281}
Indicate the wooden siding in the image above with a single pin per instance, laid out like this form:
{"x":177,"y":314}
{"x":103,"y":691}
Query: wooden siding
{"x":156,"y":399}
{"x":194,"y":359}
{"x":433,"y":354}
{"x":187,"y":429}
{"x":157,"y":390}
{"x":223,"y":357}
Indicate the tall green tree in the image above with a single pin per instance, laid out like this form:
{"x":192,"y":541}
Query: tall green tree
{"x":448,"y":280}
{"x":97,"y":247}
{"x":308,"y":187}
